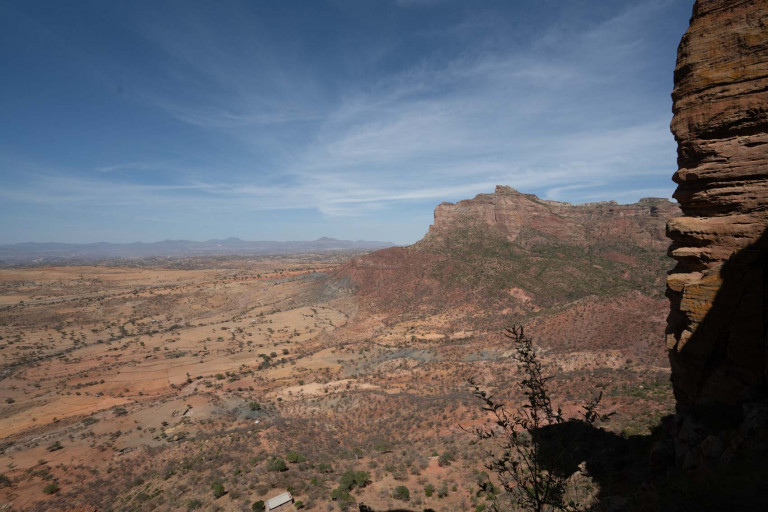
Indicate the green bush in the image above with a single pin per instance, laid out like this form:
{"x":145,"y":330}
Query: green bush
{"x":401,"y":492}
{"x":218,"y":489}
{"x":429,"y":490}
{"x":342,"y":498}
{"x":351,"y":479}
{"x":295,"y":457}
{"x":276,"y":464}
{"x":258,"y":506}
{"x":51,"y":488}
{"x":445,"y":459}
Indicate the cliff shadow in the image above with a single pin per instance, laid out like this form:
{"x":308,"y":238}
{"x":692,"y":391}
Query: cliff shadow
{"x":724,"y":363}
{"x":719,"y":438}
{"x":713,"y":454}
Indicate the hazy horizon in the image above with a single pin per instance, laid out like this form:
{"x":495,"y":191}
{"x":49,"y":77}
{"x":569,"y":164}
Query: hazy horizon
{"x":147,"y":121}
{"x":311,"y":239}
{"x":215,"y":239}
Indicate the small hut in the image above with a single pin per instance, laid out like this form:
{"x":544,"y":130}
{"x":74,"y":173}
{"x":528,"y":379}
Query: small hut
{"x":278,"y":501}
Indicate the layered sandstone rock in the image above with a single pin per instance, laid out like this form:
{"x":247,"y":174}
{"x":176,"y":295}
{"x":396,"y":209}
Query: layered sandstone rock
{"x":717,"y":325}
{"x":512,"y":213}
{"x":513,"y":251}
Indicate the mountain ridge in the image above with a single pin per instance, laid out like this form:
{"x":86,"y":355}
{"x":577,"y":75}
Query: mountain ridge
{"x":509,"y":257}
{"x":53,"y":252}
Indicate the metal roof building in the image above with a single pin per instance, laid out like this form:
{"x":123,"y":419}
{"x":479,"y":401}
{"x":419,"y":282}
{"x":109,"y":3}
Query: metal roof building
{"x":278,"y":501}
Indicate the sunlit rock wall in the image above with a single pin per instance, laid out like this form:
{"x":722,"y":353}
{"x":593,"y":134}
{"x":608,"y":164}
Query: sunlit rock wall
{"x":717,"y":324}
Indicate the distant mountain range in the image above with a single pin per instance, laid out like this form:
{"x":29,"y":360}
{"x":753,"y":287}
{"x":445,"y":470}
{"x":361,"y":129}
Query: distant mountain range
{"x":33,"y":252}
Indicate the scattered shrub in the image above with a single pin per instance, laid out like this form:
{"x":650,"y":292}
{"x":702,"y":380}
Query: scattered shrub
{"x":276,"y":464}
{"x":445,"y":459}
{"x":351,"y":479}
{"x":218,"y":489}
{"x":51,"y":488}
{"x":295,"y":457}
{"x":342,"y":498}
{"x":518,"y":465}
{"x":401,"y":492}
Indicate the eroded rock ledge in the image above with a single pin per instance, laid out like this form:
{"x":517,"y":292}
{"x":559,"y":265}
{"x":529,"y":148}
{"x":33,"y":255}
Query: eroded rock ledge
{"x":717,"y":324}
{"x":510,"y":213}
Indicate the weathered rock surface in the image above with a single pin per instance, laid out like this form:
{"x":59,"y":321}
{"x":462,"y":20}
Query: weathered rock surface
{"x":510,"y":212}
{"x":580,"y":276}
{"x":717,"y":324}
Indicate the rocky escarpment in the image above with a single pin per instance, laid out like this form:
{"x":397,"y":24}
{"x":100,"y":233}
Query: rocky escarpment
{"x":515,"y":215}
{"x":515,"y":252}
{"x":717,"y":325}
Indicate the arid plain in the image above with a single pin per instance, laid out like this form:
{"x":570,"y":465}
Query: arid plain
{"x":139,"y":387}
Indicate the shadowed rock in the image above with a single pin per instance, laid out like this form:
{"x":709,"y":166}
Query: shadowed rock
{"x":717,"y":324}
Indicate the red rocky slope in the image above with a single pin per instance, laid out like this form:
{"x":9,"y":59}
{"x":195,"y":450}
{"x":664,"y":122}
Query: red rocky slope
{"x":516,"y":256}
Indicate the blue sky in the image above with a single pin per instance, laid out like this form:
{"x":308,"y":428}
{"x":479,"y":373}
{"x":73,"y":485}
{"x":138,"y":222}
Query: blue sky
{"x":291,"y":120}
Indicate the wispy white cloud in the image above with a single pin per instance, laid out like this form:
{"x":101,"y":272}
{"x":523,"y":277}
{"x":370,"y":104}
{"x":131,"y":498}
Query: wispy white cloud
{"x":559,"y":115}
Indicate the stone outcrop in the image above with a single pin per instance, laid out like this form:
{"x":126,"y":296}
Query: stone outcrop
{"x":511,"y":213}
{"x":717,"y":324}
{"x":512,"y":250}
{"x":587,"y":278}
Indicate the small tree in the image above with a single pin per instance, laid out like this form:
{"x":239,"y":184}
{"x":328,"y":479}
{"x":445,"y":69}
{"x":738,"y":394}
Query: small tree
{"x":276,"y":464}
{"x":342,"y":498}
{"x":401,"y":492}
{"x":445,"y":459}
{"x":519,"y":464}
{"x":218,"y":489}
{"x":351,"y":479}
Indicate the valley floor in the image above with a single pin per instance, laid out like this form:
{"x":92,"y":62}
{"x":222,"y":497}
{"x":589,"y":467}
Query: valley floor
{"x":139,"y":388}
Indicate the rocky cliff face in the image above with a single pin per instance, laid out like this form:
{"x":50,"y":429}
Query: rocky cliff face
{"x":512,"y":213}
{"x":509,"y":249}
{"x":586,"y":278}
{"x":717,"y":325}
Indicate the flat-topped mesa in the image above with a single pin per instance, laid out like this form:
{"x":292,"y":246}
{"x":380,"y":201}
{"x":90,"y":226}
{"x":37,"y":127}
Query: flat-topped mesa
{"x":716,"y":329}
{"x":510,"y":212}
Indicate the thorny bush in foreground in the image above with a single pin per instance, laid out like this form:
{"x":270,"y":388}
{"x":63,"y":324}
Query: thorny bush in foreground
{"x":519,"y":463}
